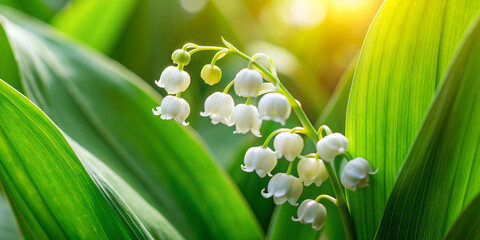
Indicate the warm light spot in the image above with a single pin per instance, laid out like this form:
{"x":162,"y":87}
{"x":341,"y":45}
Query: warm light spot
{"x":303,"y":13}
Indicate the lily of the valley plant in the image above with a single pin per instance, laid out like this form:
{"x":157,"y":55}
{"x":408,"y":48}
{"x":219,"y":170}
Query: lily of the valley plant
{"x":275,"y":104}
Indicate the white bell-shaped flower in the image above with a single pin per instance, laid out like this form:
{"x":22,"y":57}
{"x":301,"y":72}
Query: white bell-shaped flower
{"x":261,"y":160}
{"x":289,"y":145}
{"x":311,"y":212}
{"x":174,"y":80}
{"x":355,"y":174}
{"x":245,"y":118}
{"x":311,"y":170}
{"x":173,"y":107}
{"x":248,"y":83}
{"x":219,"y":107}
{"x":332,"y":145}
{"x":274,"y":106}
{"x":284,"y":187}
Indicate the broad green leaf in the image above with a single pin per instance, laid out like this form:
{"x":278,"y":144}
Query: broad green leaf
{"x":467,"y":225}
{"x":8,"y":228}
{"x":405,"y":54}
{"x":440,"y":175}
{"x":96,"y":23}
{"x":51,"y":193}
{"x":42,"y":9}
{"x":121,"y":195}
{"x":107,"y":110}
{"x":282,"y":226}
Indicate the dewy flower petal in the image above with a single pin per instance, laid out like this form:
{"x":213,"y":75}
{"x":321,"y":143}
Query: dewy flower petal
{"x":261,"y":160}
{"x":355,"y":174}
{"x":284,"y":187}
{"x":312,"y":212}
{"x":274,"y":106}
{"x":311,"y":170}
{"x":219,"y":107}
{"x":332,"y":145}
{"x":245,"y":118}
{"x":248,"y":83}
{"x":173,"y":107}
{"x":174,"y":80}
{"x":289,"y":145}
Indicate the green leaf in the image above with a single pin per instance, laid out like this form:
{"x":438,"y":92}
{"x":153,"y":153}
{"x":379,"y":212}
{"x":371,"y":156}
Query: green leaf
{"x":107,"y":110}
{"x":127,"y":201}
{"x":440,"y":175}
{"x":42,"y":9}
{"x":8,"y":228}
{"x":467,"y":225}
{"x":405,"y":54}
{"x":96,"y":23}
{"x":51,"y":193}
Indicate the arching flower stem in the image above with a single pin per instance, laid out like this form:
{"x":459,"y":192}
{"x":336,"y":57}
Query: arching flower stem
{"x":309,"y":130}
{"x":328,"y":131}
{"x":229,"y":86}
{"x":328,"y":197}
{"x":280,"y":130}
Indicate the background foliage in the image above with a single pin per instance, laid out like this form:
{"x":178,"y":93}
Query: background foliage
{"x":77,"y":129}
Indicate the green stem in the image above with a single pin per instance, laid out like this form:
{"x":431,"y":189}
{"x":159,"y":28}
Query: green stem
{"x":341,"y":202}
{"x":219,"y":55}
{"x":290,"y":167}
{"x":249,"y":99}
{"x":229,"y":86}
{"x":328,"y":197}
{"x":320,"y":131}
{"x":267,"y":140}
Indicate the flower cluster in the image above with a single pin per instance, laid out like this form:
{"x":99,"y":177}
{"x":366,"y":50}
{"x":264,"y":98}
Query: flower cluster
{"x":275,"y":104}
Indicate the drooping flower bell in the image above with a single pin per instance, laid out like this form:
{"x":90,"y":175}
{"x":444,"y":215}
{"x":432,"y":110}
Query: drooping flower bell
{"x":174,"y":80}
{"x":312,"y":212}
{"x":248,"y":83}
{"x":211,"y":75}
{"x":355,"y":174}
{"x":311,"y":170}
{"x":219,"y":107}
{"x":173,"y":107}
{"x":274,"y":106}
{"x":245,"y":118}
{"x":284,"y":187}
{"x":332,"y":145}
{"x":289,"y":145}
{"x":261,"y":160}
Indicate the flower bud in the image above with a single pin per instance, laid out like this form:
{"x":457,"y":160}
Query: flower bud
{"x":312,"y":212}
{"x":174,"y":80}
{"x":248,"y":83}
{"x":219,"y":107}
{"x":173,"y":107}
{"x":284,"y":187}
{"x":262,"y":160}
{"x":289,"y":145}
{"x":274,"y":106}
{"x":245,"y":118}
{"x":181,"y":56}
{"x":211,"y":75}
{"x":311,"y":170}
{"x":332,"y":145}
{"x":355,"y":174}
